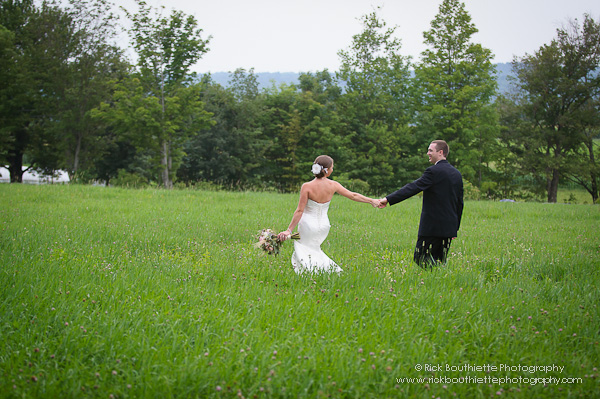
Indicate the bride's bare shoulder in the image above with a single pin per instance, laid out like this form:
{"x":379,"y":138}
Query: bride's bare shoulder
{"x":308,"y":186}
{"x":334,"y":184}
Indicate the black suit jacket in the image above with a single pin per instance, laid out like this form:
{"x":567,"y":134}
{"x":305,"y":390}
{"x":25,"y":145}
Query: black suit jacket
{"x":442,"y":188}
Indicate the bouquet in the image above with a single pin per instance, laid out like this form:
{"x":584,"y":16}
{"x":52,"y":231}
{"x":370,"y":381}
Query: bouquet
{"x":268,"y":241}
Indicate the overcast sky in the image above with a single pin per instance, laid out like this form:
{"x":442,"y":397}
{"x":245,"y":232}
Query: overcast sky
{"x":306,"y":35}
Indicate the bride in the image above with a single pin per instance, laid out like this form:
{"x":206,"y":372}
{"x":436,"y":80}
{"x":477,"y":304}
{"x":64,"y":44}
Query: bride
{"x":312,"y":220}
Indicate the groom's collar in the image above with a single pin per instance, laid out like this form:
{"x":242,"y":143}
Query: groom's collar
{"x":441,"y":160}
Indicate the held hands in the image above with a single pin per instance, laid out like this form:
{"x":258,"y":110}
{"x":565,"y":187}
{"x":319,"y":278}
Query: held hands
{"x":382,"y":203}
{"x":379,"y":203}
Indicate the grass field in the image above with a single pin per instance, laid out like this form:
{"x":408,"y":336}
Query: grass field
{"x":120,"y":293}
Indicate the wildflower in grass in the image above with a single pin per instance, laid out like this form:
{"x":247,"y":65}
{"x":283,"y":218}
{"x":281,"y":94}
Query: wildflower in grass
{"x":268,"y":241}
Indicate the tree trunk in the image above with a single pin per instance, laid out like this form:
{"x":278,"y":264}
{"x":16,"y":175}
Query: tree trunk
{"x":15,"y":157}
{"x":595,"y":193}
{"x":165,"y":164}
{"x":594,"y":178}
{"x":15,"y":168}
{"x":165,"y":147}
{"x":76,"y":155}
{"x":553,"y":186}
{"x":554,"y":174}
{"x":170,"y":165}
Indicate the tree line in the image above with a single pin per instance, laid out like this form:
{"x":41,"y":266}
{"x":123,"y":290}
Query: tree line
{"x":71,"y":100}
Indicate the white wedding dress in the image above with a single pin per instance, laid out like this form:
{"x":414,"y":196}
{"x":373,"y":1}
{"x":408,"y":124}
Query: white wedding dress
{"x":313,"y":228}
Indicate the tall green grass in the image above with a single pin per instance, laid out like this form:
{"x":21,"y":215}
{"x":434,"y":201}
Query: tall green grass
{"x":151,"y":293}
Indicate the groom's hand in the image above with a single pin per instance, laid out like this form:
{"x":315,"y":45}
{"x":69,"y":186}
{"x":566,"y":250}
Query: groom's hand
{"x":382,"y":203}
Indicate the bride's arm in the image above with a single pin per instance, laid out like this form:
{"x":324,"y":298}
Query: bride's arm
{"x":284,"y":235}
{"x":354,"y":196}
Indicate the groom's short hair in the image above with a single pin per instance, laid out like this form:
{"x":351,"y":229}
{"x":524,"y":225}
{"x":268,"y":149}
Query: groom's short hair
{"x":441,"y":145}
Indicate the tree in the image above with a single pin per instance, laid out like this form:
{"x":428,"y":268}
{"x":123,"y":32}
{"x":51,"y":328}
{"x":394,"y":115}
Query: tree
{"x":166,"y":48}
{"x":230,"y":151}
{"x":514,"y":175}
{"x":298,"y":127}
{"x":558,"y":91}
{"x":375,"y":107}
{"x":93,"y":66}
{"x":6,"y":53}
{"x":456,"y":85}
{"x":37,"y":43}
{"x":132,"y":114}
{"x":244,"y":85}
{"x":582,"y":167}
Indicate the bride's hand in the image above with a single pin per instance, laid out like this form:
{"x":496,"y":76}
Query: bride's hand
{"x":284,"y":235}
{"x":374,"y":203}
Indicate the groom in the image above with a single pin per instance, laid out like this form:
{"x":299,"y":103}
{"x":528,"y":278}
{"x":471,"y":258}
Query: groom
{"x":442,"y":189}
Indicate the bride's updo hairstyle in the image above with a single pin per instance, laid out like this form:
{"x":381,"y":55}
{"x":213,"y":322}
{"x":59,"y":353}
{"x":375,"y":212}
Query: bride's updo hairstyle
{"x":322,"y":165}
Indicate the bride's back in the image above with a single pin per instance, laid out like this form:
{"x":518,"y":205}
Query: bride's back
{"x":321,"y":190}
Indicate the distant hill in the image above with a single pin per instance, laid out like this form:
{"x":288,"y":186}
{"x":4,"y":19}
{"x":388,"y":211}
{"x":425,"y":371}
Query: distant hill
{"x":504,"y":71}
{"x":268,"y":79}
{"x":265,"y":79}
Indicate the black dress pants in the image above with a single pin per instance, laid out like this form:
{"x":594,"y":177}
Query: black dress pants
{"x":431,"y":251}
